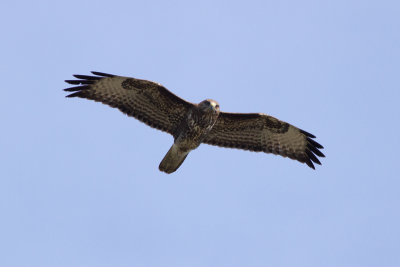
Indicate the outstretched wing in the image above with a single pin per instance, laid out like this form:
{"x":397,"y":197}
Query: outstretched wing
{"x":260,"y":132}
{"x":147,"y":101}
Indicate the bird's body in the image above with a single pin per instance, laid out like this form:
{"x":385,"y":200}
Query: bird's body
{"x":197,"y":124}
{"x":194,"y":124}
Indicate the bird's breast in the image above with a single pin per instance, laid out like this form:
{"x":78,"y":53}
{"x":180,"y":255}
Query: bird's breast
{"x":194,"y":129}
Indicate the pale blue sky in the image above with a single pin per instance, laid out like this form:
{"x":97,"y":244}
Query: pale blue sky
{"x":80,"y":184}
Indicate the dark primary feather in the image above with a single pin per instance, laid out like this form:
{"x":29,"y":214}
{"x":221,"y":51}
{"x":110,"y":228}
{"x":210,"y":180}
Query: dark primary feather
{"x":87,"y":77}
{"x":75,"y":89}
{"x":307,"y":133}
{"x":147,"y":101}
{"x":262,"y":133}
{"x":80,"y":81}
{"x":102,"y":74}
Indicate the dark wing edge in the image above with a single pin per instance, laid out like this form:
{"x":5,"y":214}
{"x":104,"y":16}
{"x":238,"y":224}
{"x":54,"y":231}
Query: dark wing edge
{"x":313,"y":149}
{"x":85,"y":86}
{"x":86,"y":80}
{"x":245,"y":131}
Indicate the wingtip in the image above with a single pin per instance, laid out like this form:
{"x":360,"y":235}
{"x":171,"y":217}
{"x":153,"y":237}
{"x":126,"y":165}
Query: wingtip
{"x":315,"y":149}
{"x":312,"y":157}
{"x":76,"y":88}
{"x":314,"y":143}
{"x":72,"y":81}
{"x":81,"y":94}
{"x":87,"y":77}
{"x":313,"y":152}
{"x":71,"y":95}
{"x":102,"y":74}
{"x":310,"y":164}
{"x":307,"y":133}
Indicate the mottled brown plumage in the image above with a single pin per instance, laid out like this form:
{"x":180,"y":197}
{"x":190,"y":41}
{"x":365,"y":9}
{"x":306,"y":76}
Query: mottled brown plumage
{"x":193,"y":124}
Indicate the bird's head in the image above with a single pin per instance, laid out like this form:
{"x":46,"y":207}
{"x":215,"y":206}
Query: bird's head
{"x":209,"y":105}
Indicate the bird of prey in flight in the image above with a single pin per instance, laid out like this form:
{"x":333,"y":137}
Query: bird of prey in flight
{"x":193,"y":124}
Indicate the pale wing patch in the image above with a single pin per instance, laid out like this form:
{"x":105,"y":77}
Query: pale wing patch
{"x":286,"y":144}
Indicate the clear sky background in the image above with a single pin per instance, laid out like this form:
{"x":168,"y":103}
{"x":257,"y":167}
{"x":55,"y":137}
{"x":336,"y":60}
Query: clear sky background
{"x":80,"y":184}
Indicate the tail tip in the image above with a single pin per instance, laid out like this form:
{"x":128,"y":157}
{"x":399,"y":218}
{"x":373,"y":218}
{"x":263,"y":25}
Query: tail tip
{"x":165,"y":169}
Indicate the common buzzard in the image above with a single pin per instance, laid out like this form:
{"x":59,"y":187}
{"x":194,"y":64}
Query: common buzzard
{"x":193,"y":124}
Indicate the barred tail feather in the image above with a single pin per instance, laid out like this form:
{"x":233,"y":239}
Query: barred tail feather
{"x":173,"y":159}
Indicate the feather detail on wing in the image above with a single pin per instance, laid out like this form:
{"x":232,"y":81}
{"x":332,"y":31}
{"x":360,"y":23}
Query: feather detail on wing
{"x":262,"y":133}
{"x":147,"y":101}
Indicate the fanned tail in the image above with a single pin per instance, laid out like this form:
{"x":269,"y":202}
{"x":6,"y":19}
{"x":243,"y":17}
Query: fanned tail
{"x":173,"y":159}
